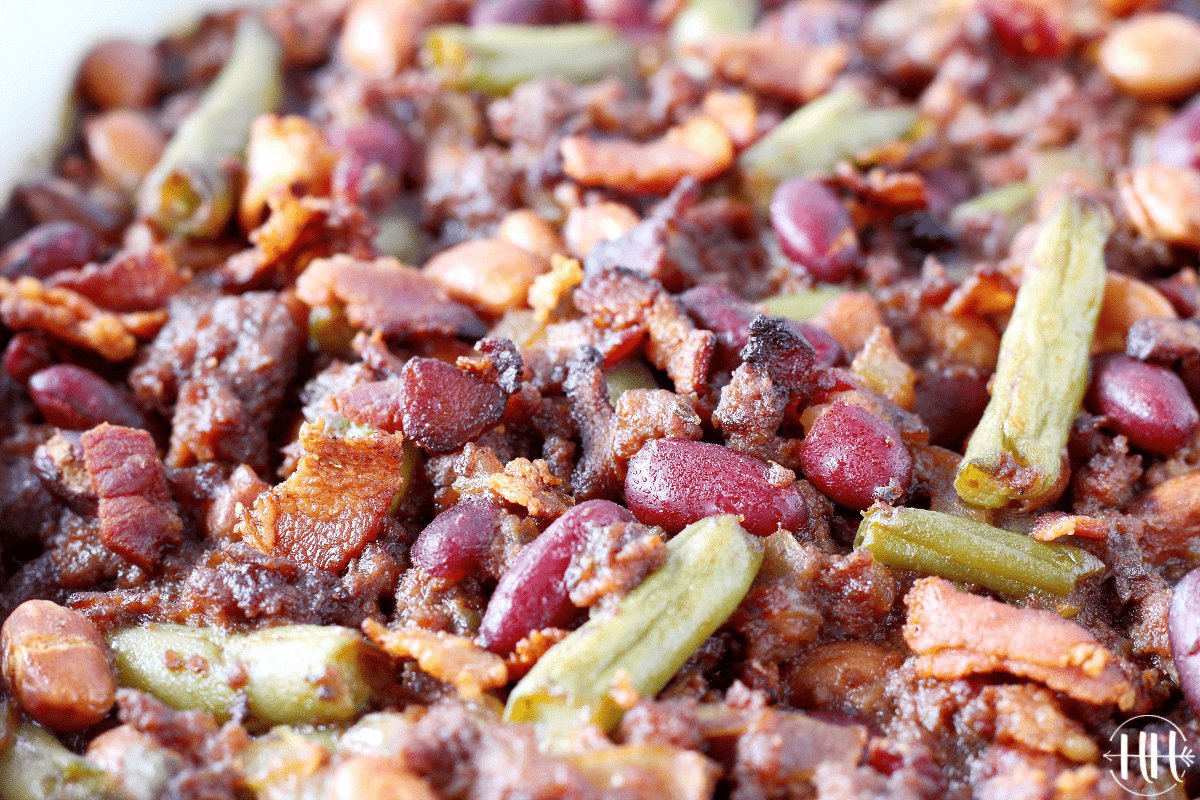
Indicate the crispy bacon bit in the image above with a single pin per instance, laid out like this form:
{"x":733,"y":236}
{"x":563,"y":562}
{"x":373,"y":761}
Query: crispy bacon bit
{"x":1171,"y":512}
{"x":851,"y":317}
{"x":288,"y":152}
{"x":128,"y":282}
{"x":242,"y":488}
{"x":596,"y":474}
{"x":1028,"y":716}
{"x":613,"y":561}
{"x":646,"y":414}
{"x":27,"y":304}
{"x":388,"y":296}
{"x":445,"y":656}
{"x":379,"y":404}
{"x":699,"y":148}
{"x":736,"y":111}
{"x":1056,"y":525}
{"x":956,"y":634}
{"x":137,"y":515}
{"x":550,"y":293}
{"x":884,"y":370}
{"x":530,"y":484}
{"x":774,"y":66}
{"x":527,"y":651}
{"x":333,"y":503}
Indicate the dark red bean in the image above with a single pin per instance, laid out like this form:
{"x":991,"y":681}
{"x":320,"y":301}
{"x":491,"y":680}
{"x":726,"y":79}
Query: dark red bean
{"x":377,"y":141}
{"x":951,"y":403}
{"x":1147,"y":403}
{"x":77,"y":399}
{"x":26,"y":353}
{"x":532,"y":593}
{"x":729,"y":316}
{"x":444,"y":408}
{"x":855,"y":458}
{"x":55,"y":200}
{"x":675,"y":482}
{"x":1026,"y":28}
{"x":827,"y":351}
{"x":814,"y":229}
{"x":47,"y":249}
{"x":628,"y":14}
{"x":1183,"y":634}
{"x":513,"y":12}
{"x":1178,"y":139}
{"x":453,"y":543}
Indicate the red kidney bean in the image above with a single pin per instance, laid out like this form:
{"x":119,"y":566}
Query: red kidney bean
{"x":1025,"y":28}
{"x":675,"y":482}
{"x":626,"y":14}
{"x":1147,"y":403}
{"x":47,"y":249}
{"x":26,"y":353}
{"x":855,"y":458}
{"x":827,"y":351}
{"x":513,"y":12}
{"x":729,"y":316}
{"x":1178,"y":139}
{"x":532,"y":593}
{"x":1183,"y":634}
{"x":77,"y":399}
{"x":814,"y":229}
{"x":453,"y":543}
{"x":444,"y":407}
{"x":54,"y":200}
{"x":951,"y":403}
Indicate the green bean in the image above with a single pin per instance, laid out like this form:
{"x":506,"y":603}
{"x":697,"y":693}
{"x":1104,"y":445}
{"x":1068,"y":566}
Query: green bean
{"x":629,"y":374}
{"x":1004,"y":201}
{"x":291,"y":674}
{"x":495,"y":58}
{"x":801,"y":306}
{"x":710,"y":566}
{"x":331,"y":331}
{"x":1015,"y":454}
{"x":963,"y":550}
{"x":189,"y":191}
{"x":835,"y":126}
{"x":34,"y":766}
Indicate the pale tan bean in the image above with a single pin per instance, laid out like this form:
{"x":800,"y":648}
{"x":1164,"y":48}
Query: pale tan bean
{"x":124,"y":145}
{"x":851,"y":317}
{"x":1126,"y":300}
{"x":1154,"y":56}
{"x":376,"y":778}
{"x":56,"y":666}
{"x":491,"y":275}
{"x":1164,"y":202}
{"x":587,"y":226}
{"x":120,"y":74}
{"x":380,"y":37}
{"x":527,"y":230}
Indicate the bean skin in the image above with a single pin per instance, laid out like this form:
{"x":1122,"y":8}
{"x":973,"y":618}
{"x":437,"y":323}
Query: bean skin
{"x":532,"y":594}
{"x":1147,"y":403}
{"x":1183,"y":633}
{"x":814,"y":229}
{"x":855,"y":458}
{"x":47,"y":249}
{"x":453,"y":543}
{"x":77,"y":399}
{"x":26,"y":353}
{"x":675,"y":482}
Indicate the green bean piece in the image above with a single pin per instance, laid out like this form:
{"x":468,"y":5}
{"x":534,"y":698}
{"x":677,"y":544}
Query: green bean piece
{"x":1015,"y":454}
{"x":189,"y":191}
{"x":331,"y":331}
{"x":818,"y":135}
{"x":398,"y":237}
{"x":309,"y":674}
{"x":629,"y":374}
{"x":710,"y":567}
{"x":966,"y":551}
{"x":35,"y":766}
{"x":800,"y":306}
{"x":1004,"y":201}
{"x":495,"y":58}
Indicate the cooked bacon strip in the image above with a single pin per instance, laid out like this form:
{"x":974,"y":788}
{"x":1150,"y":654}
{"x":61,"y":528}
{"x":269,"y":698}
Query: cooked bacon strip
{"x":955,"y":634}
{"x":699,"y":148}
{"x":774,"y":66}
{"x":27,"y":303}
{"x":128,"y":282}
{"x":137,"y":515}
{"x":447,"y":657}
{"x":334,"y":502}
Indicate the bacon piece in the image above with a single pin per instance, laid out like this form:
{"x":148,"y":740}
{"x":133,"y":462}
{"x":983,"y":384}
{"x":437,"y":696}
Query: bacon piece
{"x":699,"y":148}
{"x":332,"y":504}
{"x":955,"y":634}
{"x":386,"y":295}
{"x":447,"y":657}
{"x":27,"y":303}
{"x":127,"y":282}
{"x":774,"y":66}
{"x":379,"y":404}
{"x":1056,"y":525}
{"x":137,"y":515}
